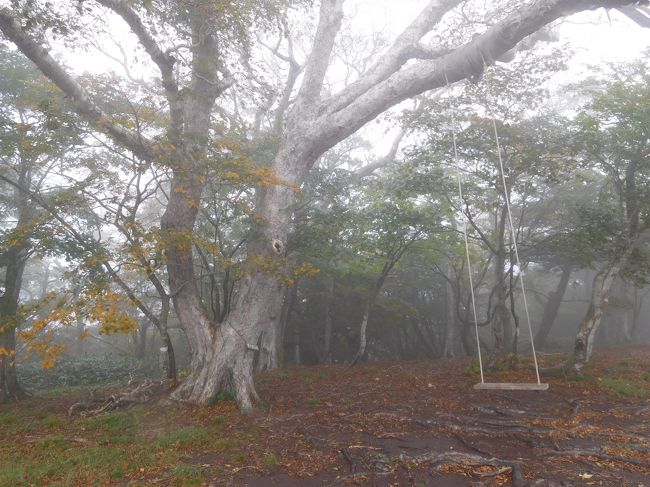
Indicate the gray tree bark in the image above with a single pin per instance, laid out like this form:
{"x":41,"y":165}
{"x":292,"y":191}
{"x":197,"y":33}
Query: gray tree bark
{"x":586,"y":335}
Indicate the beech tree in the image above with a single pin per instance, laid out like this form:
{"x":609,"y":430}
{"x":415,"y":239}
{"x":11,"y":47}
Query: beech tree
{"x":614,"y":140}
{"x":198,"y":47}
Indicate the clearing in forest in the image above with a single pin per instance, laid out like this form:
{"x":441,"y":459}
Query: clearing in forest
{"x":403,"y":424}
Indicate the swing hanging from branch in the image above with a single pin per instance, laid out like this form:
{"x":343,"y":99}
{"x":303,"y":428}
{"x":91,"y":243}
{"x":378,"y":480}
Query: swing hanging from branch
{"x":533,"y":386}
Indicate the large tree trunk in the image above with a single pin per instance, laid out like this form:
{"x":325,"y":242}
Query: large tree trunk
{"x":602,"y":284}
{"x":224,"y":356}
{"x":553,"y":306}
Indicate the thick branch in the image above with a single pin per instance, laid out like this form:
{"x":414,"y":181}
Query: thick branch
{"x":163,"y":60}
{"x":405,"y":47}
{"x":468,"y":60}
{"x":39,"y":55}
{"x":331,"y":15}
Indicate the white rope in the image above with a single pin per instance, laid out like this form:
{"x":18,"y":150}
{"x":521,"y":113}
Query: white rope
{"x":469,"y":262}
{"x":514,"y":245}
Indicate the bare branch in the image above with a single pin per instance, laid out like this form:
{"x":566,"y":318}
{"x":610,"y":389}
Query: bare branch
{"x":163,"y":60}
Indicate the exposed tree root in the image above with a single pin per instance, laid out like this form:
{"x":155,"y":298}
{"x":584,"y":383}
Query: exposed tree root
{"x":599,"y":454}
{"x":350,"y":460}
{"x":139,"y":393}
{"x":472,"y":460}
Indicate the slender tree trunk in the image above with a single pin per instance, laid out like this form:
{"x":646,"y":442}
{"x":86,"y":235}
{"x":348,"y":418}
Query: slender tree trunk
{"x":363,"y":339}
{"x":10,"y":389}
{"x":553,"y":306}
{"x":290,"y":296}
{"x":327,"y":332}
{"x":501,"y":323}
{"x":15,"y":259}
{"x":167,"y":348}
{"x":602,"y":284}
{"x":450,"y":322}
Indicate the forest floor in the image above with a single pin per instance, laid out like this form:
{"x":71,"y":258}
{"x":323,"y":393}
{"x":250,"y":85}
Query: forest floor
{"x":406,"y":424}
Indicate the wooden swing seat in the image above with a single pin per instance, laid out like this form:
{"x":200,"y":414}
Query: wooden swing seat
{"x":511,"y":386}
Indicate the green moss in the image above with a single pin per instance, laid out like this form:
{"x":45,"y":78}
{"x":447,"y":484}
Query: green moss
{"x":239,"y":457}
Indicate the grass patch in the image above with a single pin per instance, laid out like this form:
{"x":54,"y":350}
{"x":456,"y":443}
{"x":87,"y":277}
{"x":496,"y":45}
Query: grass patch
{"x":219,"y":421}
{"x":8,"y":418}
{"x":113,"y":423}
{"x":580,"y":378}
{"x":187,"y":475}
{"x":223,"y":396}
{"x":239,"y":457}
{"x":314,"y":401}
{"x":622,"y":387}
{"x":183,"y":437}
{"x":223,"y":444}
{"x":270,"y":459}
{"x":51,"y":422}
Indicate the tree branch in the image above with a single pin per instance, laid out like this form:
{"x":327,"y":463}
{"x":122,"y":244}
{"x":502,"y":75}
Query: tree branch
{"x":351,"y":110}
{"x":331,"y":15}
{"x":163,"y":60}
{"x":39,"y":55}
{"x":406,"y":46}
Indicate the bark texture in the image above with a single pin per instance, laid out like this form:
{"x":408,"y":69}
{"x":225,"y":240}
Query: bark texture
{"x":586,"y":335}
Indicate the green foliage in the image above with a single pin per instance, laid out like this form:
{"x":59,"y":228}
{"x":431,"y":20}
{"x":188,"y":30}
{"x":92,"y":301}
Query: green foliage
{"x":474,"y":368}
{"x":91,"y":370}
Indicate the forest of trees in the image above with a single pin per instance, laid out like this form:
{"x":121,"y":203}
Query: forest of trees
{"x":210,"y":205}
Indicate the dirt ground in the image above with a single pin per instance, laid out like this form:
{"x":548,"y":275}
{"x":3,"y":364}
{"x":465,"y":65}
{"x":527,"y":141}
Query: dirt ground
{"x":406,"y":424}
{"x":423,"y":424}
